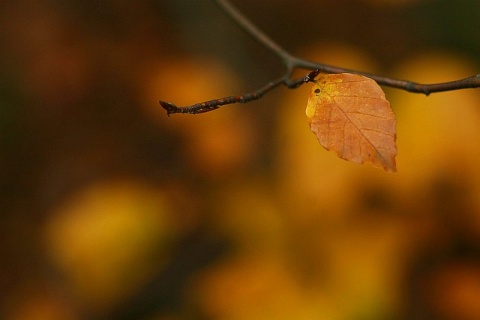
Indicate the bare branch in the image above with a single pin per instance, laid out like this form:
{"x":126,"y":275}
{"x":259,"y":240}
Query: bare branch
{"x":470,"y":82}
{"x":291,"y":63}
{"x":211,"y":105}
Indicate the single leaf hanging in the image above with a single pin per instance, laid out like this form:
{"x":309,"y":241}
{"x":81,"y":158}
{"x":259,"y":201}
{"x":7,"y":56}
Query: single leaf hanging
{"x":350,"y":116}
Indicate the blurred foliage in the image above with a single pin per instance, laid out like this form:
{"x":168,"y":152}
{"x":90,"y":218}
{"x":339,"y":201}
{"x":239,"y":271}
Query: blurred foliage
{"x":111,"y":210}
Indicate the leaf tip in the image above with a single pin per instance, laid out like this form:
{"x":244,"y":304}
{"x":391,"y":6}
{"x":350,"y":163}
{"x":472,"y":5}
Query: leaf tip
{"x":392,"y":168}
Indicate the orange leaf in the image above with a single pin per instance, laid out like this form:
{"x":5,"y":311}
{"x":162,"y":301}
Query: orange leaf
{"x":350,"y":115}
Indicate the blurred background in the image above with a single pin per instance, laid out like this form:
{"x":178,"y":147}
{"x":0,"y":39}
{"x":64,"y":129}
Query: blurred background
{"x":111,"y":210}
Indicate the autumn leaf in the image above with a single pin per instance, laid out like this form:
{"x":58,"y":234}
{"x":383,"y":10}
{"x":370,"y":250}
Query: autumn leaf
{"x":350,"y":116}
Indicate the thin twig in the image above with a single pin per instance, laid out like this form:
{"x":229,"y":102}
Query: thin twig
{"x":469,"y":82}
{"x":216,"y":103}
{"x":291,"y":62}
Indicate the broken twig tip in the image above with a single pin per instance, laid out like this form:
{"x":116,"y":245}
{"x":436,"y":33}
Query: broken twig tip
{"x":169,"y":107}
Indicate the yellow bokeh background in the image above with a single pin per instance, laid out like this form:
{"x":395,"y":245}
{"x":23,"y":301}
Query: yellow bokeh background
{"x":112,"y":210}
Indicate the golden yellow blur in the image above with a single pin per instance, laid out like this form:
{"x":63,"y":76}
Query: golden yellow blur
{"x":112,"y":210}
{"x":109,"y":238}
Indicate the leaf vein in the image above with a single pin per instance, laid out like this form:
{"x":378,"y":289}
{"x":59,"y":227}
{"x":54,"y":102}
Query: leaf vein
{"x":368,"y":114}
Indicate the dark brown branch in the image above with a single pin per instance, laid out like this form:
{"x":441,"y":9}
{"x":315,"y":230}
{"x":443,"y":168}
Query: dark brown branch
{"x":470,"y":82}
{"x":292,"y":62}
{"x":216,"y":103}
